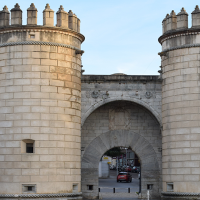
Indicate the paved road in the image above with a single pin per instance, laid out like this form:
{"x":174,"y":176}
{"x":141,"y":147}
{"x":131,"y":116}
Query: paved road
{"x":121,"y":188}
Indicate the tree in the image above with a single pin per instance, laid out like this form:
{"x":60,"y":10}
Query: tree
{"x":114,"y":152}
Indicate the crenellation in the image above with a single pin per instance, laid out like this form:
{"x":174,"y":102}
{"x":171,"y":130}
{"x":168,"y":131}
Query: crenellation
{"x":182,"y":19}
{"x":16,"y":15}
{"x":78,"y":25}
{"x":32,"y":15}
{"x":171,"y":21}
{"x":164,"y":24}
{"x":196,"y":17}
{"x":66,"y":20}
{"x":71,"y":19}
{"x":62,"y":18}
{"x":75,"y":22}
{"x":174,"y":22}
{"x":4,"y":17}
{"x":48,"y":16}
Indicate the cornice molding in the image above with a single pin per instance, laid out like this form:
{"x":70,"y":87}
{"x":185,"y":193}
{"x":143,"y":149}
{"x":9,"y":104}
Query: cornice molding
{"x":177,"y":33}
{"x":119,"y":78}
{"x":42,"y":43}
{"x":11,"y":29}
{"x":179,"y":47}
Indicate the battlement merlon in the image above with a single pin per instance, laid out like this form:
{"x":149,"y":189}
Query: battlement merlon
{"x":66,"y":20}
{"x":175,"y":22}
{"x":176,"y":34}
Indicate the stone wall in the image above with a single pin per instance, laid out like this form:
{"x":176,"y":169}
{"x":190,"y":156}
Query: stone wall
{"x":121,"y":107}
{"x":40,"y":93}
{"x":122,"y":115}
{"x":180,"y":107}
{"x":100,"y":89}
{"x":38,"y":102}
{"x":181,"y":120}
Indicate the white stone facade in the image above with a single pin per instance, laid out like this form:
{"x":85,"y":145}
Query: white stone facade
{"x":121,"y":110}
{"x":180,"y":109}
{"x":40,"y":103}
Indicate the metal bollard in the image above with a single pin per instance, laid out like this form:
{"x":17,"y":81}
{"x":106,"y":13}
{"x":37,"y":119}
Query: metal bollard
{"x":129,"y":190}
{"x":113,"y":190}
{"x":99,"y":189}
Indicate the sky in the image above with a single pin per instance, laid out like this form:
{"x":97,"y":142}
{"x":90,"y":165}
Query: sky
{"x":120,"y":36}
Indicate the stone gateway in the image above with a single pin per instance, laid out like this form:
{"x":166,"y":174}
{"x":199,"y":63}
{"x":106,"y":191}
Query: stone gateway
{"x":56,"y":123}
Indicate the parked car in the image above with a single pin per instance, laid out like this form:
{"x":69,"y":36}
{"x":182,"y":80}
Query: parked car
{"x":134,"y":170}
{"x":138,"y":169}
{"x":128,"y":169}
{"x":124,"y":176}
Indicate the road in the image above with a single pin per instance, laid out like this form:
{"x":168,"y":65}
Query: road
{"x":121,"y":188}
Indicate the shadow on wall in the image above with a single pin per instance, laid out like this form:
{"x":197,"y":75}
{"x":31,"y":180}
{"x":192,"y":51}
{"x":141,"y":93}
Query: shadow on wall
{"x":151,"y":172}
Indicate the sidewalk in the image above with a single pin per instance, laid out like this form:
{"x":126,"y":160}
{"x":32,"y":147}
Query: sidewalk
{"x":117,"y":196}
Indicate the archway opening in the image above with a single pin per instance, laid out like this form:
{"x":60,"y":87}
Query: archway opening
{"x":121,"y":124}
{"x":119,"y":173}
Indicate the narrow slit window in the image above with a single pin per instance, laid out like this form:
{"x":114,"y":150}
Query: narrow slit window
{"x":170,"y":187}
{"x":90,"y":187}
{"x":28,"y":188}
{"x":32,"y":36}
{"x":149,"y":186}
{"x":29,"y":147}
{"x":75,"y":187}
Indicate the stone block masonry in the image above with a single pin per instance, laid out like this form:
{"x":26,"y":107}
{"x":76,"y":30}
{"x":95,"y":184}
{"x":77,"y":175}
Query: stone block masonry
{"x":40,"y":95}
{"x":180,"y":106}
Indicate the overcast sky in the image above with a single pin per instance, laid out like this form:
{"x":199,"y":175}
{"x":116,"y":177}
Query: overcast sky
{"x":121,"y":36}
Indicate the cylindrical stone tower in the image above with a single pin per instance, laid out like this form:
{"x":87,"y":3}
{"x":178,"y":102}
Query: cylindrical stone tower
{"x":40,"y":91}
{"x":180,"y":106}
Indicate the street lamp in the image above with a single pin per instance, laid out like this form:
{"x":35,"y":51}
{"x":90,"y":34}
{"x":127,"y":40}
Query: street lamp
{"x":126,"y":155}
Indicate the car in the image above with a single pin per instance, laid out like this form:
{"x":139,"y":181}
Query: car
{"x":134,"y":170}
{"x":124,"y":176}
{"x":138,"y":169}
{"x":128,"y":169}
